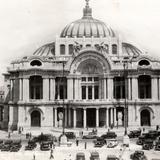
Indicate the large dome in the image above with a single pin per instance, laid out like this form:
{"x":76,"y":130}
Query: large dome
{"x":87,"y":26}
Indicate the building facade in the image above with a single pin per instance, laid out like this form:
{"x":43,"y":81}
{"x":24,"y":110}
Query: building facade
{"x":88,"y":77}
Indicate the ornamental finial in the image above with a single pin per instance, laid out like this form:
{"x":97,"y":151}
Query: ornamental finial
{"x":87,"y":2}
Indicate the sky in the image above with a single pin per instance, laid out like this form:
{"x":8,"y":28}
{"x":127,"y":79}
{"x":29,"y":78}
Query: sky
{"x":28,"y":24}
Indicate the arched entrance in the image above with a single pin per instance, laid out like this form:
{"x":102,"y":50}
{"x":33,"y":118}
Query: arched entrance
{"x":91,"y":117}
{"x":145,"y":118}
{"x":35,"y":119}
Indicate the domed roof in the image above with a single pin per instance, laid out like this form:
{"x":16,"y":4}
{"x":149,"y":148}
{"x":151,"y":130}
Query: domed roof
{"x":46,"y":50}
{"x":129,"y":49}
{"x":87,"y":26}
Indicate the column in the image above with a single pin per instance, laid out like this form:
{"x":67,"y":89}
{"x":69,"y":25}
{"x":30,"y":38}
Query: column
{"x":115,"y":117}
{"x":55,"y":117}
{"x":70,"y":88}
{"x":76,"y":89}
{"x":79,"y":89}
{"x":110,"y":88}
{"x":10,"y":117}
{"x":26,"y":89}
{"x":107,"y":122}
{"x":84,"y":118}
{"x":74,"y":118}
{"x":87,"y":92}
{"x":154,"y":85}
{"x":69,"y":117}
{"x":11,"y":89}
{"x":111,"y":115}
{"x":45,"y":89}
{"x":134,"y":88}
{"x":93,"y":92}
{"x":97,"y":117}
{"x":104,"y":88}
{"x":52,"y":89}
{"x":20,"y":89}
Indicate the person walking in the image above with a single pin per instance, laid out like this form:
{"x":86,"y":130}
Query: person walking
{"x":51,"y":154}
{"x":85,"y":145}
{"x":77,"y":142}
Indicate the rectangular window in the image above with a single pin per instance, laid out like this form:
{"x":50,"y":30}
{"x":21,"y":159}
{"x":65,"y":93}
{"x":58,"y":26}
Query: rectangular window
{"x":96,"y":79}
{"x":89,"y":79}
{"x":89,"y":92}
{"x":83,"y":79}
{"x":83,"y":92}
{"x":96,"y":92}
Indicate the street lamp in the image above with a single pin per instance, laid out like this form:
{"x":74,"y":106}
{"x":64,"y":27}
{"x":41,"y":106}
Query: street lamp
{"x":126,"y":61}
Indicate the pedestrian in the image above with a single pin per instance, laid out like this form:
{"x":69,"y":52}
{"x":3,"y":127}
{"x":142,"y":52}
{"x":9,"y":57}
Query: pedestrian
{"x":77,"y":142}
{"x":85,"y":145}
{"x":9,"y":134}
{"x":157,"y":127}
{"x":34,"y":157}
{"x":51,"y":154}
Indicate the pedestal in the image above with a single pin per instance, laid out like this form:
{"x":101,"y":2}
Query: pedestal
{"x":126,"y":141}
{"x":63,"y":140}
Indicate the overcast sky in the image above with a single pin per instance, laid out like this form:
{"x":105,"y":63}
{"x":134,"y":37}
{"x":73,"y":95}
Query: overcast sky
{"x":28,"y":24}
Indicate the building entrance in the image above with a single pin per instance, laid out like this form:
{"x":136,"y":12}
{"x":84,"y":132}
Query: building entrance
{"x":35,"y":119}
{"x":91,"y":117}
{"x":145,"y":118}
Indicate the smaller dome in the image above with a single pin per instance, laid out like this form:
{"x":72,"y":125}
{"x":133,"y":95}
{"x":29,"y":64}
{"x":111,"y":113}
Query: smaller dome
{"x":46,"y":50}
{"x":129,"y":49}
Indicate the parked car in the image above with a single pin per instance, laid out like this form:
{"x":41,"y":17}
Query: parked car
{"x":138,"y":155}
{"x":94,"y":156}
{"x":134,"y":134}
{"x":141,"y":139}
{"x":90,"y":135}
{"x":148,"y":144}
{"x":153,"y":134}
{"x":70,"y":135}
{"x":15,"y":146}
{"x":112,"y":157}
{"x":109,"y":135}
{"x":157,"y":146}
{"x":99,"y":142}
{"x":31,"y":145}
{"x":45,"y":146}
{"x":44,"y":137}
{"x":80,"y":156}
{"x":111,"y":143}
{"x":6,"y":147}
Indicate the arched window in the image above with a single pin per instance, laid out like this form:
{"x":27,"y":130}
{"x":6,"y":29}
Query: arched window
{"x":144,"y":63}
{"x":144,"y":86}
{"x":36,"y":63}
{"x":36,"y":87}
{"x":71,"y":49}
{"x":119,"y":87}
{"x":62,"y":49}
{"x":114,"y":49}
{"x":88,"y":45}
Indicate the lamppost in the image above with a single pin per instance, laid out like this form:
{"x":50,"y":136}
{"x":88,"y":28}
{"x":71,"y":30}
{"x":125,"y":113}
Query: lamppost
{"x":126,"y":61}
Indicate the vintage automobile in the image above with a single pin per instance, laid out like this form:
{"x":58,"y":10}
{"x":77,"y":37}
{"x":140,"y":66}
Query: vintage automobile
{"x":94,"y":156}
{"x":91,"y":135}
{"x":31,"y":145}
{"x":80,"y":156}
{"x":44,"y":137}
{"x":138,"y":155}
{"x":99,"y":142}
{"x":6,"y":147}
{"x":134,"y":134}
{"x":112,"y":157}
{"x":70,"y":135}
{"x":141,"y":139}
{"x":111,"y":143}
{"x":157,"y":146}
{"x":16,"y":145}
{"x":109,"y":135}
{"x":148,"y":144}
{"x":45,"y":146}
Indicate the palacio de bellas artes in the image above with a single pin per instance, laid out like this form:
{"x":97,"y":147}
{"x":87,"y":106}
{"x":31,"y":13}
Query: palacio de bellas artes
{"x":88,"y":77}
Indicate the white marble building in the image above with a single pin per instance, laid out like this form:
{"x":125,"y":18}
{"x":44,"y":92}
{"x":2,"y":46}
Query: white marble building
{"x":89,"y":74}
